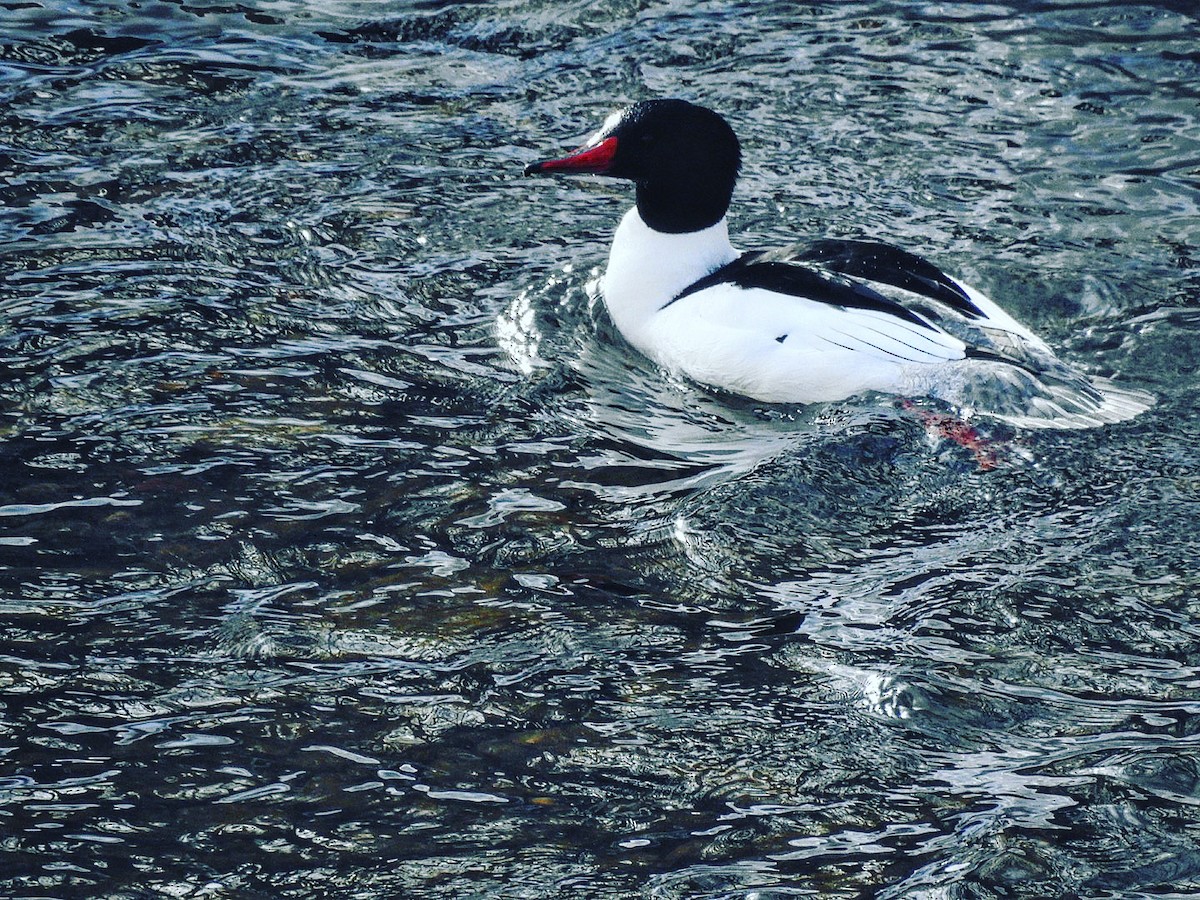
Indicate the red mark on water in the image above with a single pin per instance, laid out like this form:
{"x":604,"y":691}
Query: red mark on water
{"x":951,"y":428}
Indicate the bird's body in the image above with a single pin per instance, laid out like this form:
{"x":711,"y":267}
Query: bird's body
{"x":806,"y":323}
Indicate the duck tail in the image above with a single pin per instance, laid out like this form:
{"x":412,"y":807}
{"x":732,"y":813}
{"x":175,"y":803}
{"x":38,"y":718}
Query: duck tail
{"x":1066,"y":406}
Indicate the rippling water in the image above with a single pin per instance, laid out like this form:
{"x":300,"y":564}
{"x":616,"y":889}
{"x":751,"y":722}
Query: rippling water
{"x":346,"y":550}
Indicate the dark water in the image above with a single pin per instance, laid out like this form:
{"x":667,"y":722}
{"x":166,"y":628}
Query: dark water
{"x":346,"y":551}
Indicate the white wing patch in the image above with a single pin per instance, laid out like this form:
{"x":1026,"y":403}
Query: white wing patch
{"x":809,"y":323}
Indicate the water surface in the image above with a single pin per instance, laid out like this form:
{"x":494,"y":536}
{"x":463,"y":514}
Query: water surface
{"x":345,"y":550}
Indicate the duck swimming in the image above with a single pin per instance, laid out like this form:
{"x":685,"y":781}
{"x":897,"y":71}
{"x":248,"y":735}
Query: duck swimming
{"x":805,"y":323}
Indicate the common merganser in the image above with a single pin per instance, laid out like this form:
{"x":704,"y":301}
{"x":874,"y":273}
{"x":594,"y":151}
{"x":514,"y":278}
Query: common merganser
{"x":805,"y":323}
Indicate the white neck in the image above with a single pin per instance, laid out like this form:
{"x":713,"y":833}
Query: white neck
{"x":647,"y":268}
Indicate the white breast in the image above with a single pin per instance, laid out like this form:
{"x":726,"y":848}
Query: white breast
{"x":647,"y":268}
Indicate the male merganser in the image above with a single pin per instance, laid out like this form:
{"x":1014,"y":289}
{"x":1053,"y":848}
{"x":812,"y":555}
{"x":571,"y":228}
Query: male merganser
{"x":805,"y":323}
